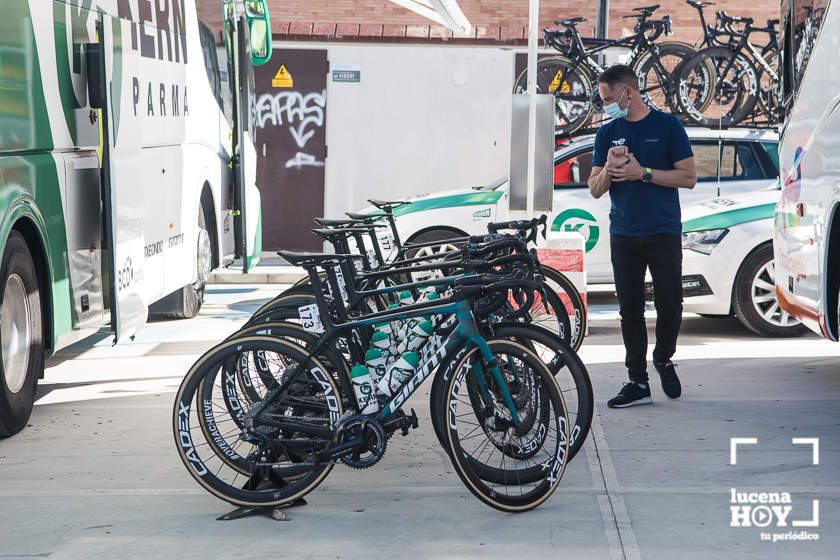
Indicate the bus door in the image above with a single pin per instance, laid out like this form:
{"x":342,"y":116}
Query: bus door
{"x":123,"y":235}
{"x":248,"y":43}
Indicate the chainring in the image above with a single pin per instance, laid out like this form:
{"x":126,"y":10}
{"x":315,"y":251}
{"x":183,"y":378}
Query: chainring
{"x":375,"y":441}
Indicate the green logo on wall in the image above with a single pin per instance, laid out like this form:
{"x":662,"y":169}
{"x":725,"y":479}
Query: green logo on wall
{"x":581,"y":221}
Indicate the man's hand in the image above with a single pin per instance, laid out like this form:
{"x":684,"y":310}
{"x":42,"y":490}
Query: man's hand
{"x":630,"y":171}
{"x":617,"y":156}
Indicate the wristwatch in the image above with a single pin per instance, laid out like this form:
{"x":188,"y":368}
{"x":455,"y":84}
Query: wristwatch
{"x":647,"y":176}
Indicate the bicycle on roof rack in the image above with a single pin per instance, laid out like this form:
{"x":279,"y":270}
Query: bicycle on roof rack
{"x":571,"y":76}
{"x":744,"y":83}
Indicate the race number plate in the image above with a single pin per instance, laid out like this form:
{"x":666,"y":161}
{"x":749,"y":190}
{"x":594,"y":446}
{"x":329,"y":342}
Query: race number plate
{"x":310,"y":318}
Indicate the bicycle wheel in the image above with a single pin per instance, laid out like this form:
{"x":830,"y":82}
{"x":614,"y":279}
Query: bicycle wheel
{"x":572,"y":86}
{"x":562,"y":362}
{"x":282,"y":308}
{"x":733,"y":88}
{"x":477,"y":443}
{"x":547,"y":310}
{"x":254,"y":376}
{"x":559,"y":284}
{"x":278,"y":470}
{"x":658,"y":78}
{"x":567,"y":368}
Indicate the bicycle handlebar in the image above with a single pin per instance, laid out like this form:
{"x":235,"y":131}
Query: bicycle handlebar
{"x":525,"y":228}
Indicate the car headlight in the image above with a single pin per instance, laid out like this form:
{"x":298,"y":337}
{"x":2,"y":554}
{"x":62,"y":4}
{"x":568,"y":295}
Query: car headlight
{"x":703,"y":241}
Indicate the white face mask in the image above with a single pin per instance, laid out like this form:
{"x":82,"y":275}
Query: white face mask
{"x":613,"y":111}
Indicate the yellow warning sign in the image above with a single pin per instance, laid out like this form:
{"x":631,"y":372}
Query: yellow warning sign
{"x":555,"y":83}
{"x":282,"y":79}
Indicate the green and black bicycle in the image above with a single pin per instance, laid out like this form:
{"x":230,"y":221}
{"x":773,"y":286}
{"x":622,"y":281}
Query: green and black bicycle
{"x":261,"y":419}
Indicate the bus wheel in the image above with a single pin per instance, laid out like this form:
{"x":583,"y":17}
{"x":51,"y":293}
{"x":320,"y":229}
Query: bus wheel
{"x":21,"y":337}
{"x":185,"y":303}
{"x":754,"y":297}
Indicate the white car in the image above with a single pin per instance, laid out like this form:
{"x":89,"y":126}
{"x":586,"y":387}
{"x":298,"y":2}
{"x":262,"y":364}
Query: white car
{"x":729,"y":162}
{"x":728,"y":265}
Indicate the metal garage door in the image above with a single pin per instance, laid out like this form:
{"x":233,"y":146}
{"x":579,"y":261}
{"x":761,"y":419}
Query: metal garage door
{"x":291,"y":144}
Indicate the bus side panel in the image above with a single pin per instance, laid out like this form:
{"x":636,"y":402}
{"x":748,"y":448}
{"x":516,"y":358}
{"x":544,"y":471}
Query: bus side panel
{"x":165,"y":148}
{"x":809,"y":164}
{"x":33,"y":128}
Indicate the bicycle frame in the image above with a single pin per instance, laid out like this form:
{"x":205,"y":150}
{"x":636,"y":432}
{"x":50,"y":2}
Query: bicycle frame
{"x":759,"y":58}
{"x":465,"y":331}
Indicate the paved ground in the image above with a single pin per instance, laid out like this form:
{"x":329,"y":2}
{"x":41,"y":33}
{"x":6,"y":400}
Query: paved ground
{"x":96,"y":474}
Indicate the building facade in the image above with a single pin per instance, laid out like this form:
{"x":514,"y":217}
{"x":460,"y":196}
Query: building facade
{"x":495,"y":21}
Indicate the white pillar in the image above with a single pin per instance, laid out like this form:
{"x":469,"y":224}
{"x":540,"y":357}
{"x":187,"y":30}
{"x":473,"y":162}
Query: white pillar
{"x":533,"y":27}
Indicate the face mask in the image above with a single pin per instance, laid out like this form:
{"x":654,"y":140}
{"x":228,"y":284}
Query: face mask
{"x":613,"y":111}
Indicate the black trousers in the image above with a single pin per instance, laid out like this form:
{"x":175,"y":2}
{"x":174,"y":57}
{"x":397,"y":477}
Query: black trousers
{"x":630,"y":257}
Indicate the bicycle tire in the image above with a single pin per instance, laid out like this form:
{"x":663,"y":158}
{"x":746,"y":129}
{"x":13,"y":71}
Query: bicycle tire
{"x":565,"y":365}
{"x":573,"y":302}
{"x":731,"y":101}
{"x":572,"y":110}
{"x":185,"y":432}
{"x":654,"y":93}
{"x":335,"y":362}
{"x":282,"y":308}
{"x":553,"y":467}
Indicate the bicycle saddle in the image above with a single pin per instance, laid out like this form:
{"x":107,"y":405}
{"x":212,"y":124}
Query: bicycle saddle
{"x":361,"y":216}
{"x":387,"y":205}
{"x":309,"y":259}
{"x":647,"y":10}
{"x":571,"y":22}
{"x":726,"y":18}
{"x":340,"y":232}
{"x":699,"y":5}
{"x":326,"y":222}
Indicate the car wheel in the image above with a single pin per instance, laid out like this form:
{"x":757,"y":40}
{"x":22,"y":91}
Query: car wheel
{"x":21,"y":336}
{"x":445,"y":236}
{"x":754,"y":297}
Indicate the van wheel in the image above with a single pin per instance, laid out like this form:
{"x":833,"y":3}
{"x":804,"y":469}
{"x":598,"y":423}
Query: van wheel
{"x":21,"y":336}
{"x":754,"y":298}
{"x":186,"y":302}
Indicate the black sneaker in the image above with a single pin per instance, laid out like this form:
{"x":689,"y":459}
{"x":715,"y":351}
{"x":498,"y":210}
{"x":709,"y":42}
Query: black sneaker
{"x":670,"y":381}
{"x":632,"y":394}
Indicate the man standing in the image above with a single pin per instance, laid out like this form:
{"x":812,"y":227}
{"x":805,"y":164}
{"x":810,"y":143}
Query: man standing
{"x":641,"y":158}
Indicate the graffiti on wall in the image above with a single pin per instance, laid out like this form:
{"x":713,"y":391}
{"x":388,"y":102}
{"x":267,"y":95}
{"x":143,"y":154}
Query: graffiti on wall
{"x":301,"y":114}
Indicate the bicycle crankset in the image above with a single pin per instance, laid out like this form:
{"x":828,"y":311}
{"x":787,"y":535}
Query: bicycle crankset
{"x":372,"y":445}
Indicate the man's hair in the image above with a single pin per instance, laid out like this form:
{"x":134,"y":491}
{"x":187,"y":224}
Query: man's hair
{"x":619,"y":74}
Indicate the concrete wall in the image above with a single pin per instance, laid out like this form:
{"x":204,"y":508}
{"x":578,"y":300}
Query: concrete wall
{"x":422,"y":119}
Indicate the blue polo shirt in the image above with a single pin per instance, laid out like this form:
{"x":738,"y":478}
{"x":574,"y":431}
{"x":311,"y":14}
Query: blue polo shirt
{"x":657,"y":141}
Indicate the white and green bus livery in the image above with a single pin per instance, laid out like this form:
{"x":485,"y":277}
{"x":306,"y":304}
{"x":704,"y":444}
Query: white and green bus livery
{"x":123,"y":181}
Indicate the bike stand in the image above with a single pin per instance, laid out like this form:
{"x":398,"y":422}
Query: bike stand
{"x":274,"y":512}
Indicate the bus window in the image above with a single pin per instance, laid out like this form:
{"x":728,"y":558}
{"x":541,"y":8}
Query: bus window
{"x":211,"y":63}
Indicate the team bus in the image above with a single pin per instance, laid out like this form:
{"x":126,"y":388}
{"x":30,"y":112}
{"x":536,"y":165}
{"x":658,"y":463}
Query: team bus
{"x":807,"y":236}
{"x":123,"y":181}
